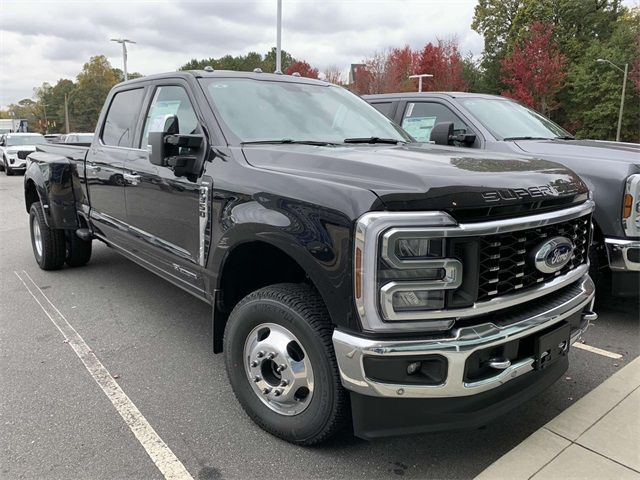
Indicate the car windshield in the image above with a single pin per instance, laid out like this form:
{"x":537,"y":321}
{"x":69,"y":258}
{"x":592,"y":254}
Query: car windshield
{"x":25,"y":140}
{"x":510,"y":120}
{"x":274,"y":111}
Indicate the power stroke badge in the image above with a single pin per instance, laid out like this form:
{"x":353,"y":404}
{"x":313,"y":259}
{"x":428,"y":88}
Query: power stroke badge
{"x":553,"y":254}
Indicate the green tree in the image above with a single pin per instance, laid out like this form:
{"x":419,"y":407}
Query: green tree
{"x":242,"y":63}
{"x":593,"y":89}
{"x":93,"y":84}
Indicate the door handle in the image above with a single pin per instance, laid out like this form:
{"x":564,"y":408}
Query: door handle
{"x":132,"y":178}
{"x":92,"y":167}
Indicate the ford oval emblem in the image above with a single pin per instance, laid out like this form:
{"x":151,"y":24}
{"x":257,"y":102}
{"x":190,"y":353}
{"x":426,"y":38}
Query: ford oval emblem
{"x":553,"y":254}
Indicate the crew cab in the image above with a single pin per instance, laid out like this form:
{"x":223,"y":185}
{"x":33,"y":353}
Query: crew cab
{"x":347,"y":267}
{"x":14,"y":148}
{"x":498,"y":124}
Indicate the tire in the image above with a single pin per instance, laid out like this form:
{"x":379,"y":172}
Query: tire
{"x":8,"y":172}
{"x":78,"y":251}
{"x":273,"y":311}
{"x":48,"y":244}
{"x":2,"y":163}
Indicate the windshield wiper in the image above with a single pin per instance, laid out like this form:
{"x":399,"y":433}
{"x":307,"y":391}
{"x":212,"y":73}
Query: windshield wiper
{"x":527,"y":138}
{"x":565,"y":137}
{"x":391,"y":141}
{"x":289,"y":141}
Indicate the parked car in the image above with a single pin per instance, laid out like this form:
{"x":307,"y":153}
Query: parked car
{"x":15,"y":147}
{"x":342,"y":261}
{"x":81,"y":138}
{"x":499,"y":124}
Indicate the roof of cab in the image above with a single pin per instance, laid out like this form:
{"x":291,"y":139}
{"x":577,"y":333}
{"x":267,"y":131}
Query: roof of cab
{"x":226,"y":74}
{"x":394,"y":96}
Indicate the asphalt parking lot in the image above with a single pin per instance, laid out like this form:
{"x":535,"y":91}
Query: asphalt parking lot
{"x":155,"y":340}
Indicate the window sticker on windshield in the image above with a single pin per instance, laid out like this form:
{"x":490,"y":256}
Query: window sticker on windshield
{"x":419,"y":127}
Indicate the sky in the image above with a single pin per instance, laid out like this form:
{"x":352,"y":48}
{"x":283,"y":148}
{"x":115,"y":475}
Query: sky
{"x":43,"y":41}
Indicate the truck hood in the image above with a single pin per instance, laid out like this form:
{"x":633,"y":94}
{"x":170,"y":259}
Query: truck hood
{"x":628,"y":153}
{"x":423,"y":177}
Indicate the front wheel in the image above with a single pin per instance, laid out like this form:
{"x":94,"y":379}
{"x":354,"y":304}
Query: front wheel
{"x":281,"y":364}
{"x":48,"y":244}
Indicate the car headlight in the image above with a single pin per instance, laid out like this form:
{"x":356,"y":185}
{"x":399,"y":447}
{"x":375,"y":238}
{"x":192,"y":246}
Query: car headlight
{"x":631,"y":206}
{"x":403,"y":272}
{"x":414,"y":274}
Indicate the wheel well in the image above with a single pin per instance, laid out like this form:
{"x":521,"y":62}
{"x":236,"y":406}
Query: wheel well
{"x":30,"y":194}
{"x":252,"y":266}
{"x":249,"y":267}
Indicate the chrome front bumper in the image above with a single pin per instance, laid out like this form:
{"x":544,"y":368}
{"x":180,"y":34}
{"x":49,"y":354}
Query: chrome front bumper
{"x":350,"y":351}
{"x":618,"y":254}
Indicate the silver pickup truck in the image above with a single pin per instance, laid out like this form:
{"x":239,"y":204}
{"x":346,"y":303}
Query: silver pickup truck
{"x":489,"y":122}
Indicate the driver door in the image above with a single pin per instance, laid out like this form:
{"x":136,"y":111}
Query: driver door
{"x":162,"y":208}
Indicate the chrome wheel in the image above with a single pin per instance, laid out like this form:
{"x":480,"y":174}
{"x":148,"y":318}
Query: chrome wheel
{"x":278,"y":369}
{"x":37,"y":235}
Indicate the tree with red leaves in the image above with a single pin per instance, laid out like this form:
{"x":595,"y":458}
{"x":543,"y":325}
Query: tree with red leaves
{"x":400,"y":63}
{"x":444,"y":62}
{"x":303,"y":68}
{"x":534,"y":71}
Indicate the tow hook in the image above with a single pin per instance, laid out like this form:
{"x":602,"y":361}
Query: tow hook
{"x":589,"y":316}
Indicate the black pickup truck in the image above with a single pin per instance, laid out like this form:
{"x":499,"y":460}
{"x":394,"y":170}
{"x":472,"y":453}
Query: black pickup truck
{"x":422,"y":287}
{"x":498,"y":124}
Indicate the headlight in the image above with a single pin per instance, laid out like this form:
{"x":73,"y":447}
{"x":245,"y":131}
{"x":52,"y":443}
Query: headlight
{"x":631,"y":206}
{"x":414,"y":274}
{"x":404,"y":273}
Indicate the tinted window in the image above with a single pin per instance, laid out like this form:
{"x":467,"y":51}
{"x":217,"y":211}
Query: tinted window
{"x":385,"y":108}
{"x":168,"y":101}
{"x":12,"y":140}
{"x":119,"y":126}
{"x":419,"y":119}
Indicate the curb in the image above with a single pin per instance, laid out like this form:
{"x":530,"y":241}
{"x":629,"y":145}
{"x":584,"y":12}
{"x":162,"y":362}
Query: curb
{"x":597,"y":437}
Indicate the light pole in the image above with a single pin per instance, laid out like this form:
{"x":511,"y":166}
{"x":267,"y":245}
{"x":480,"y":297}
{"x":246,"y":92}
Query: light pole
{"x":279,"y":39}
{"x":123,"y":42}
{"x":624,"y":85}
{"x":420,"y":77}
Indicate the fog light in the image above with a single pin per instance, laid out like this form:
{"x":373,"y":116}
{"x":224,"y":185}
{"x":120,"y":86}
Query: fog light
{"x":413,"y":368}
{"x":410,"y":300}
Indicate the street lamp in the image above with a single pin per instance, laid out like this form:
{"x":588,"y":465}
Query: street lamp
{"x":279,"y":39}
{"x":624,"y":84}
{"x":124,"y":42}
{"x":420,"y":77}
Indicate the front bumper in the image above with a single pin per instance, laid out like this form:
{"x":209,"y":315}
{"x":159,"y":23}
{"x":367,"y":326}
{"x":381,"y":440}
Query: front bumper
{"x":15,"y":163}
{"x":351,"y":350}
{"x":623,"y":255}
{"x":382,"y":409}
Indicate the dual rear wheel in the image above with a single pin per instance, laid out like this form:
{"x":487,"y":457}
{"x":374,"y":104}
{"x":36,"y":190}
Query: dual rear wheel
{"x":52,"y":247}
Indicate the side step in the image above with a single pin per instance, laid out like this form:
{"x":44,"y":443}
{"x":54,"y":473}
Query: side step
{"x":84,"y":234}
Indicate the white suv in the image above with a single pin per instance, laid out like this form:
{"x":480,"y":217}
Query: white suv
{"x":15,"y":147}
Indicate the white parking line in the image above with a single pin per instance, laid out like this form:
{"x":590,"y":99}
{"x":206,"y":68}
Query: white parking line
{"x":166,"y":461}
{"x":599,"y":351}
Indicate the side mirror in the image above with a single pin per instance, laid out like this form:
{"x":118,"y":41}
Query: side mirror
{"x":466,"y":139}
{"x":442,"y":133}
{"x":167,"y":148}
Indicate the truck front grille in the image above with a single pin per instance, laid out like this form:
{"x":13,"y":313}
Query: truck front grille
{"x":506,"y":259}
{"x":22,"y":154}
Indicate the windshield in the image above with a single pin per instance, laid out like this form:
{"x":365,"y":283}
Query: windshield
{"x":25,"y":140}
{"x":258,"y":110}
{"x":510,"y":120}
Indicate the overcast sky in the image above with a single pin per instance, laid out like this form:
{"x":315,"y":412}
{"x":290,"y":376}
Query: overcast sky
{"x":43,"y":41}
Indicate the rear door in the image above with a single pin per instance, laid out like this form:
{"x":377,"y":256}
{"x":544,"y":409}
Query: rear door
{"x":162,"y":208}
{"x":105,"y":162}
